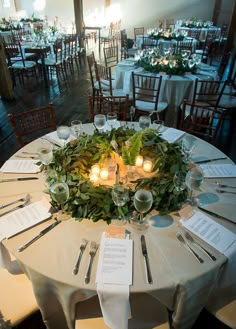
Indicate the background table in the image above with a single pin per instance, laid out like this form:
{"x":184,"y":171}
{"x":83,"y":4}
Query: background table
{"x":179,"y":281}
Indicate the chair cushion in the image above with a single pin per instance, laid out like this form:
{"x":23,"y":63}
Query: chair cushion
{"x":20,"y":65}
{"x":17,"y":300}
{"x":228,"y":101}
{"x":149,"y":107}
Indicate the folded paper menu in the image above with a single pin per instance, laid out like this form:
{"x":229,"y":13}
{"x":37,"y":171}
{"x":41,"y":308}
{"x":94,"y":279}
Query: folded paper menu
{"x":20,"y":166}
{"x":172,"y":135}
{"x":24,"y":218}
{"x":115,"y":261}
{"x":209,"y":231}
{"x":219,"y":170}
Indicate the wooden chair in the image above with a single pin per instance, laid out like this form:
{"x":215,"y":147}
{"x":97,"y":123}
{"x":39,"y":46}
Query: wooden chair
{"x":138,"y":31}
{"x":17,"y":300}
{"x":225,"y":314}
{"x":111,"y":56}
{"x":147,"y":313}
{"x":146,"y":92}
{"x":32,"y":124}
{"x":184,"y":45}
{"x":201,"y":121}
{"x":149,"y":43}
{"x":104,"y":104}
{"x":92,"y":73}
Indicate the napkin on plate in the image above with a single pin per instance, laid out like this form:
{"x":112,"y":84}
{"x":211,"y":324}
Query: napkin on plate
{"x":20,"y":166}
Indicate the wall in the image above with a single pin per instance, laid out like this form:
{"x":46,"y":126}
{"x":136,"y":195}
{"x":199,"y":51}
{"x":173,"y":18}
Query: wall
{"x":8,"y":12}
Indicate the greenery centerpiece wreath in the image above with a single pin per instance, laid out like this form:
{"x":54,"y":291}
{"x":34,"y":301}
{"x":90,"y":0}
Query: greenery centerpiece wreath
{"x":72,"y":164}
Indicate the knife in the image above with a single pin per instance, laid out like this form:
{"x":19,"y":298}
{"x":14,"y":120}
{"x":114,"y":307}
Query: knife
{"x":210,"y":160}
{"x":17,"y":179}
{"x":145,"y":255}
{"x":212,"y":213}
{"x":38,"y":236}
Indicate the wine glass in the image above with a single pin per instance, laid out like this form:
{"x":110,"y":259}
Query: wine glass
{"x":188,"y":145}
{"x":179,"y":181}
{"x":100,"y":121}
{"x":120,"y":195}
{"x":143,"y":200}
{"x":76,"y":127}
{"x":45,"y":152}
{"x":111,"y":119}
{"x":158,"y":125}
{"x":63,"y":132}
{"x":193,"y":181}
{"x":59,"y":192}
{"x":144,"y":121}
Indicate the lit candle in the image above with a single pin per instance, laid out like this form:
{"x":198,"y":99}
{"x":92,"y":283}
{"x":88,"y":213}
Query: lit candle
{"x":147,"y":165}
{"x":93,"y":177}
{"x":104,"y":173}
{"x":95,"y":169}
{"x":139,"y":161}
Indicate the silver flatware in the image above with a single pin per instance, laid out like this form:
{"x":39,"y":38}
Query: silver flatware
{"x":225,"y":185}
{"x":145,"y":255}
{"x":92,"y":252}
{"x":31,"y":153}
{"x":24,"y":199}
{"x":15,"y":208}
{"x":210,"y":160}
{"x":187,"y":246}
{"x":5,"y":180}
{"x":192,"y":240}
{"x":82,"y":248}
{"x":38,"y":236}
{"x":26,"y":157}
{"x":223,"y":191}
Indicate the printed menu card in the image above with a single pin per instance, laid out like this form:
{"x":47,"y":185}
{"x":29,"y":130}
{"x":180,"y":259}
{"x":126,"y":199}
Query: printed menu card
{"x":219,"y":170}
{"x":20,"y":166}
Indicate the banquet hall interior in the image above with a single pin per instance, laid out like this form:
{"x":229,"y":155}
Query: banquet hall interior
{"x":69,"y":87}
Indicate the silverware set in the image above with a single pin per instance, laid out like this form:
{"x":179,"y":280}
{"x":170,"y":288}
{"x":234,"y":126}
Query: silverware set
{"x":189,"y":242}
{"x":221,"y":185}
{"x":92,"y":252}
{"x":25,"y":201}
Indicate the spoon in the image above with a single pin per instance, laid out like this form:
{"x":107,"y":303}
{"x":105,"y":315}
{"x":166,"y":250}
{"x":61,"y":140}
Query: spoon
{"x":187,"y":246}
{"x":225,"y":185}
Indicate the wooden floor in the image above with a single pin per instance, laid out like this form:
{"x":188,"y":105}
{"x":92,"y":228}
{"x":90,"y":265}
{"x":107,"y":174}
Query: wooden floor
{"x":70,"y":101}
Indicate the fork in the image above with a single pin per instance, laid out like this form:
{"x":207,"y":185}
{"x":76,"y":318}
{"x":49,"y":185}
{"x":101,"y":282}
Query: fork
{"x":187,"y":246}
{"x":26,"y":157}
{"x":26,"y":198}
{"x":15,"y":208}
{"x":222,"y":191}
{"x":92,"y":252}
{"x":225,"y":185}
{"x":82,"y":248}
{"x":191,"y":239}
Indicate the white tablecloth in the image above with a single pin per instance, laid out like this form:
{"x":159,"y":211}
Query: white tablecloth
{"x":179,"y":281}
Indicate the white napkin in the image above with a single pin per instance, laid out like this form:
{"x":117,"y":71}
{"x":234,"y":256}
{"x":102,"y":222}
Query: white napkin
{"x":20,"y":166}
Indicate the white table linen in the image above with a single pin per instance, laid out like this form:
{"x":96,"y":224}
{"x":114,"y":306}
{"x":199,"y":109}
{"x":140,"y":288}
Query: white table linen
{"x":179,"y":281}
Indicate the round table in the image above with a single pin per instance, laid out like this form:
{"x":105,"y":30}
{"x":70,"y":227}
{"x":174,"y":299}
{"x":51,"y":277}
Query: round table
{"x":179,"y":281}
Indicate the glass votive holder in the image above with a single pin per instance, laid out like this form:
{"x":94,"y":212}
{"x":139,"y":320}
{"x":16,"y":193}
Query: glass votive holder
{"x":139,"y":161}
{"x":104,"y":174}
{"x":147,"y":165}
{"x":95,"y":169}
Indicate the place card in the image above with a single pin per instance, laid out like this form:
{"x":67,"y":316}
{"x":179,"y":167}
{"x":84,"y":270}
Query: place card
{"x":24,"y":218}
{"x":172,"y":135}
{"x":209,"y":231}
{"x":20,"y":166}
{"x":218,"y":170}
{"x":115,"y":261}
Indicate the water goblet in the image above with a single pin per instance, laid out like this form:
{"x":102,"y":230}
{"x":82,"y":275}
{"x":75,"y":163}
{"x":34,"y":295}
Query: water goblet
{"x":120,"y":196}
{"x":188,"y":145}
{"x":143,"y":200}
{"x":179,"y":181}
{"x":76,"y":127}
{"x":111,"y":119}
{"x":158,"y":125}
{"x":63,"y":133}
{"x":193,"y":181}
{"x":191,"y":63}
{"x":59,"y":192}
{"x":100,"y":121}
{"x":144,"y":121}
{"x":45,"y":152}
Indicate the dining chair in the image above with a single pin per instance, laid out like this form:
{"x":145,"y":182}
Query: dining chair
{"x":186,"y":44}
{"x":111,"y":56}
{"x":147,"y":313}
{"x":146,"y":94}
{"x":29,"y":125}
{"x":149,"y":43}
{"x":138,"y":31}
{"x":104,"y":104}
{"x":125,"y":50}
{"x":92,"y":73}
{"x":17,"y":300}
{"x":225,"y":314}
{"x":201,"y":121}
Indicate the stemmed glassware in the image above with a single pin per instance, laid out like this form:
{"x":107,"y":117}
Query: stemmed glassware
{"x":111,"y":119}
{"x":193,"y":181}
{"x":188,"y":145}
{"x":45,"y":152}
{"x":144,"y":121}
{"x":143,"y":200}
{"x":158,"y":125}
{"x":179,"y":181}
{"x":63,"y":132}
{"x":76,"y":127}
{"x":60,"y":193}
{"x":120,"y":196}
{"x":100,"y":121}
